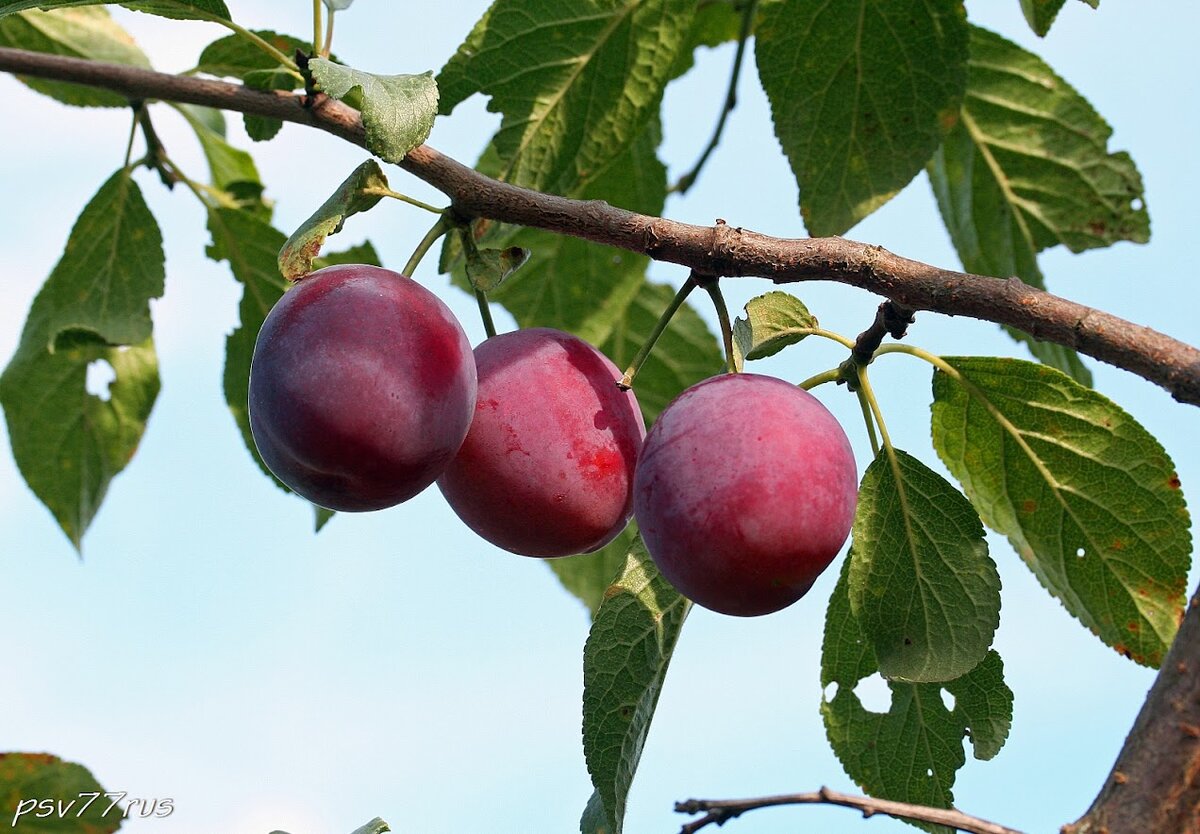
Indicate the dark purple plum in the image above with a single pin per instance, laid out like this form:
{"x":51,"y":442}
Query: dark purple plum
{"x":547,"y":467}
{"x":745,"y":492}
{"x":362,"y":388}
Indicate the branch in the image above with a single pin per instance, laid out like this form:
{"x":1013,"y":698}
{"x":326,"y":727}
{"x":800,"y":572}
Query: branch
{"x":719,"y":811}
{"x":717,"y":250}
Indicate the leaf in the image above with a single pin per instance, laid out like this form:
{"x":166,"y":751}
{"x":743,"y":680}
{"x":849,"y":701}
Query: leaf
{"x":1041,"y":13}
{"x":1089,"y":499}
{"x":397,"y":110}
{"x":233,"y":170}
{"x":177,"y":9}
{"x":597,"y":81}
{"x":573,"y":284}
{"x":625,"y":661}
{"x":922,"y":586}
{"x":860,"y":94}
{"x":94,"y":307}
{"x":297,"y":254}
{"x":262,"y":128}
{"x":773,"y":321}
{"x":686,"y":353}
{"x":714,"y":24}
{"x":1027,"y":167}
{"x":487,"y":268}
{"x":375,"y":826}
{"x":233,"y":56}
{"x":911,"y":753}
{"x":337,"y":5}
{"x":28,"y":778}
{"x":77,"y":33}
{"x":589,"y":575}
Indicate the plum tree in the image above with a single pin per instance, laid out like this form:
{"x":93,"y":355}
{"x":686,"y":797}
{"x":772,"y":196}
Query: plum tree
{"x":362,"y":388}
{"x":745,"y":492}
{"x":547,"y":467}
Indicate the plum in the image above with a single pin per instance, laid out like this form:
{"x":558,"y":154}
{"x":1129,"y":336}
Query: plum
{"x":547,"y":467}
{"x":362,"y":388}
{"x":745,"y":492}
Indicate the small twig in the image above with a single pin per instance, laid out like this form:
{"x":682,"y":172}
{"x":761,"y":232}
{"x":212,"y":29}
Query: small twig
{"x":891,"y":319}
{"x":719,"y":811}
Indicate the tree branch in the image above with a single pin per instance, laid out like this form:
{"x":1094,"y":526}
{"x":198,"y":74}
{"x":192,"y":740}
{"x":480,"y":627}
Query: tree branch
{"x":717,"y":250}
{"x":720,"y":811}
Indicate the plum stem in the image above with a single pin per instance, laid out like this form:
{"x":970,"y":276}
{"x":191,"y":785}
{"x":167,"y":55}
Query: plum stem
{"x":396,"y":195}
{"x":327,"y":46}
{"x":832,"y":375}
{"x":485,"y":312}
{"x":317,"y":35}
{"x":867,"y":395}
{"x":870,"y":422}
{"x":712,"y":286}
{"x":436,"y":231}
{"x":626,"y":381}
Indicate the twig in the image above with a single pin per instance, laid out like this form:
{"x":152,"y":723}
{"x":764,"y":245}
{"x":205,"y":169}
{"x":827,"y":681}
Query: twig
{"x":723,"y":250}
{"x":891,"y":319}
{"x":719,"y":811}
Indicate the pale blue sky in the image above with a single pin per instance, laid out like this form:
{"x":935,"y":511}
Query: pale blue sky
{"x":211,"y":649}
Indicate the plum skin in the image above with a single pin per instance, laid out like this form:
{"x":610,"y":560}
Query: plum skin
{"x":745,"y":492}
{"x":362,"y":388}
{"x":547,"y":467}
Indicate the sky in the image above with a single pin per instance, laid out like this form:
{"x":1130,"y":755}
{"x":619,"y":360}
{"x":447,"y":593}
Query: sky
{"x":209,"y":648}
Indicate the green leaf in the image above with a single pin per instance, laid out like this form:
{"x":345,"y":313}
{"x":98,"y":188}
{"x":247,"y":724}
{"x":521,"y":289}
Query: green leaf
{"x":375,"y":826}
{"x":233,"y":170}
{"x":176,"y":9}
{"x":597,"y":82}
{"x":625,"y":661}
{"x":488,"y":268}
{"x":397,"y":110}
{"x":686,"y":353}
{"x":1041,"y":13}
{"x":77,"y":33}
{"x":911,"y":753}
{"x":233,"y":56}
{"x":860,"y":93}
{"x":714,"y":24}
{"x":251,"y":246}
{"x":1089,"y":499}
{"x":297,"y":254}
{"x":1027,"y":167}
{"x":262,"y":128}
{"x":573,"y":284}
{"x":773,"y":321}
{"x":594,"y":820}
{"x":29,"y":777}
{"x":589,"y":575}
{"x":94,"y":307}
{"x":922,"y":586}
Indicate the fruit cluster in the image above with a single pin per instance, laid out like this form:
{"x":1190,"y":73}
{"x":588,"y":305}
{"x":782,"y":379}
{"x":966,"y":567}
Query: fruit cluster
{"x":364,"y":391}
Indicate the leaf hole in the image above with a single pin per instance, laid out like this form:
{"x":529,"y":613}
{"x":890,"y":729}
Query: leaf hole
{"x":1137,"y":204}
{"x":874,"y":693}
{"x":100,"y":375}
{"x":830,"y":691}
{"x":929,"y":772}
{"x":1081,"y":553}
{"x":948,"y":699}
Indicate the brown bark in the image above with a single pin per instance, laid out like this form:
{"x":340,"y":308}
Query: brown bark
{"x":1154,"y":788}
{"x":720,"y":249}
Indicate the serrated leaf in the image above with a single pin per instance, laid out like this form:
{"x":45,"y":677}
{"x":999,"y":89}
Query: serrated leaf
{"x":597,"y":81}
{"x":594,"y":820}
{"x":263,"y":128}
{"x":625,"y":662}
{"x":177,"y":9}
{"x":773,"y":321}
{"x":1027,"y":167}
{"x":860,"y":93}
{"x":397,"y":110}
{"x":233,"y":56}
{"x":686,"y":353}
{"x":232,"y":170}
{"x":77,"y":33}
{"x":589,"y":575}
{"x":296,"y":256}
{"x":1089,"y":499}
{"x":41,"y":776}
{"x":922,"y":585}
{"x":569,"y":283}
{"x":94,"y":307}
{"x":913,"y":752}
